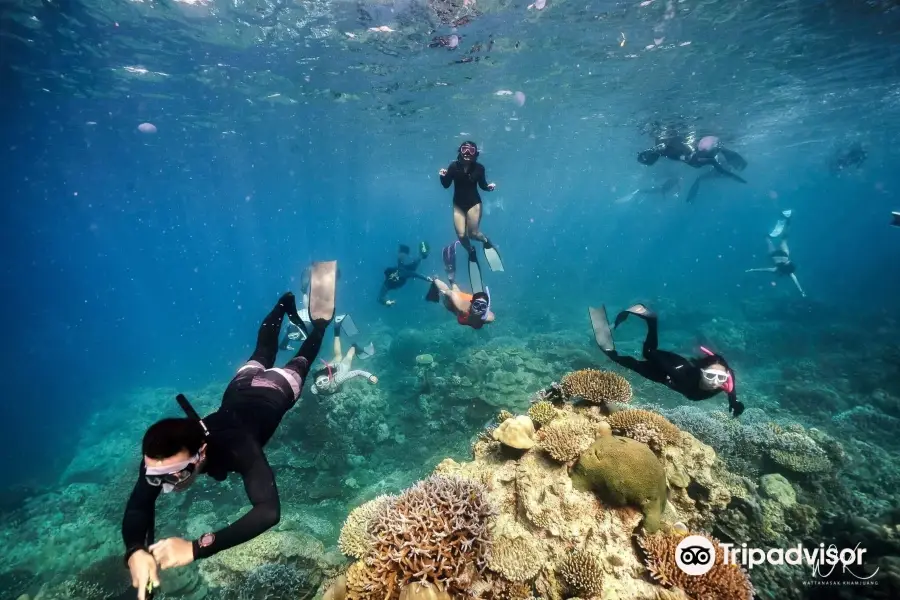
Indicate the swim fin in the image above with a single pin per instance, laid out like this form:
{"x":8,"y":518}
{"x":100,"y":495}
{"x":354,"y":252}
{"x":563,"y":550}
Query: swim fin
{"x":434,"y":294}
{"x":366,"y":352}
{"x":638,"y":310}
{"x":322,"y":284}
{"x":424,"y":249}
{"x":475,"y":276}
{"x":602,"y":334}
{"x":895,"y":218}
{"x":345,"y":324}
{"x":493,"y":258}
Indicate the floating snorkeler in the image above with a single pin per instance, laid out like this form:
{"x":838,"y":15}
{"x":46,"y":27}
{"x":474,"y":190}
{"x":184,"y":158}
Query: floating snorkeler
{"x":694,"y":378}
{"x":330,"y":379}
{"x":231,"y":439}
{"x":671,"y":185}
{"x":467,"y":175}
{"x":473,"y":310}
{"x":396,"y":277}
{"x":779,"y":252}
{"x":706,"y":151}
{"x":850,"y":156}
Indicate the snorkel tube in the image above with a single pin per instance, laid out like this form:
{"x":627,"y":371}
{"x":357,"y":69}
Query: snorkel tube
{"x":190,"y":412}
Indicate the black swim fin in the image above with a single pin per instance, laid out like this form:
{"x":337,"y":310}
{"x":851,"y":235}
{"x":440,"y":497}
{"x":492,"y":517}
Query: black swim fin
{"x":638,"y":310}
{"x":895,"y":218}
{"x":602,"y":334}
{"x":434,"y":294}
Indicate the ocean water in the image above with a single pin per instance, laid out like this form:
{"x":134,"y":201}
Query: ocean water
{"x":138,"y":265}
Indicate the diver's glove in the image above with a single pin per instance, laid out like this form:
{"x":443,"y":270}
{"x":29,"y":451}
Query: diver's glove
{"x":736,"y":407}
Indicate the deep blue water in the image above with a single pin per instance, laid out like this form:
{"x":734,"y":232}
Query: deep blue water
{"x":135,"y":260}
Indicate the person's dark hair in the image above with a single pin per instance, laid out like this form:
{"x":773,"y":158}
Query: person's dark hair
{"x":320,"y":372}
{"x":168,"y":437}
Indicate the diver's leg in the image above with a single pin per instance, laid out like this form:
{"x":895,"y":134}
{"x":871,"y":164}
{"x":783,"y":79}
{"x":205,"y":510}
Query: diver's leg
{"x":797,"y":283}
{"x":651,"y":342}
{"x":337,"y":344}
{"x":473,"y":224}
{"x":723,"y":171}
{"x":459,"y":223}
{"x":643,"y":368}
{"x":267,"y":336}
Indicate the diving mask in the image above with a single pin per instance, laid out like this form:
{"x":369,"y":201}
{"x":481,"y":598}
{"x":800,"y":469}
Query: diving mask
{"x":173,"y":477}
{"x":715,"y":376}
{"x":468,"y":150}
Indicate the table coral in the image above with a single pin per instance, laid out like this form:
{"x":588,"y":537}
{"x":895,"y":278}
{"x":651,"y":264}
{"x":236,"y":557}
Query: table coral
{"x":596,"y":387}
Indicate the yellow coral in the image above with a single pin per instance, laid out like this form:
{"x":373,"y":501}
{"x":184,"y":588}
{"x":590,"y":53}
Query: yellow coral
{"x":515,"y":554}
{"x":542,"y":412}
{"x":596,"y":387}
{"x":354,"y":539}
{"x":629,"y":422}
{"x":583,"y":573}
{"x":565,"y":439}
{"x":504,"y":415}
{"x":722,"y":581}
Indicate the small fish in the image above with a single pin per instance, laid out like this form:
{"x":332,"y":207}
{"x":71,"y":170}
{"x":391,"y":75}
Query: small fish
{"x":503,"y":93}
{"x":493,"y":205}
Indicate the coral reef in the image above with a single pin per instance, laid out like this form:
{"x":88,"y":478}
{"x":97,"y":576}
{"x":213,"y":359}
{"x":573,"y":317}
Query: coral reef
{"x":354,"y":539}
{"x":644,"y":426}
{"x":596,"y":387}
{"x":582,"y":572}
{"x":566,"y":439}
{"x":542,"y":412}
{"x":516,"y":433}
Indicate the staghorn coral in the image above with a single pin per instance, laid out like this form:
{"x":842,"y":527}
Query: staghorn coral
{"x":515,"y":553}
{"x":723,"y":581}
{"x":354,"y":540}
{"x":565,"y":439}
{"x":596,"y":387}
{"x":632,"y":421}
{"x":504,"y":415}
{"x":435,"y":532}
{"x":542,"y":412}
{"x":583,"y":573}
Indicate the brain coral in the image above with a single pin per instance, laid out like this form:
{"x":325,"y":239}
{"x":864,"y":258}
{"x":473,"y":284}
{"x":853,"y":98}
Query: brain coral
{"x":630,"y":421}
{"x":565,"y":439}
{"x":435,"y":532}
{"x":722,"y":581}
{"x":596,"y":387}
{"x":624,"y":472}
{"x":354,"y":540}
{"x":583,"y":573}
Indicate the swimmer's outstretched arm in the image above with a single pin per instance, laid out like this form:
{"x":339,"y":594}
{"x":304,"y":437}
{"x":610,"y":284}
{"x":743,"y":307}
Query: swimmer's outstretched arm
{"x":797,"y":283}
{"x":762,"y":270}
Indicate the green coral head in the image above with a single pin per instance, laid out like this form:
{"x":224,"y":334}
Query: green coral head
{"x":624,"y":472}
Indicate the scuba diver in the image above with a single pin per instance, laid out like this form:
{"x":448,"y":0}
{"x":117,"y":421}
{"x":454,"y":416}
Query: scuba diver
{"x":396,"y":277}
{"x":467,"y":175}
{"x":330,"y":379}
{"x":694,"y":378}
{"x":473,"y":310}
{"x":705,"y":152}
{"x":779,"y":252}
{"x":852,"y":156}
{"x":231,"y":439}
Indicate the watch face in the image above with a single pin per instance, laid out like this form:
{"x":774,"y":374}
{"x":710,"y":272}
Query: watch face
{"x":207,"y":539}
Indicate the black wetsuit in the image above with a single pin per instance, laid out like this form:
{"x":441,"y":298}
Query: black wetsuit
{"x":678,"y":373}
{"x":724,"y":161}
{"x":252,"y":408}
{"x":396,"y":277}
{"x":853,"y":156}
{"x":465,"y":190}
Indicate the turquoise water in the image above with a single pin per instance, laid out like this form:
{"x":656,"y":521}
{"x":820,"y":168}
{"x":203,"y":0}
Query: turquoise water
{"x":138,"y":265}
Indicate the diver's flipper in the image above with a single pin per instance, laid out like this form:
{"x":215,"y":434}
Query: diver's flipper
{"x":322,"y":283}
{"x":638,"y":310}
{"x":493,"y":258}
{"x":475,"y":276}
{"x":424,"y":249}
{"x":895,"y":218}
{"x":695,"y":187}
{"x":602,"y":334}
{"x":778,"y":229}
{"x":434,"y":294}
{"x":345,"y":324}
{"x":735,"y":160}
{"x":365,"y":353}
{"x":449,"y":256}
{"x":630,"y":197}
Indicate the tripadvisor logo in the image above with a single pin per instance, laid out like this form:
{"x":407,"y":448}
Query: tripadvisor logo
{"x":696,"y":555}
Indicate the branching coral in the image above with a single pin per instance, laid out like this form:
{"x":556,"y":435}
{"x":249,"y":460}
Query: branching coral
{"x":722,"y":582}
{"x":565,"y":439}
{"x":515,"y":554}
{"x":596,"y":387}
{"x":636,"y":423}
{"x":542,"y":412}
{"x":435,"y":532}
{"x":354,"y":540}
{"x":583,"y":573}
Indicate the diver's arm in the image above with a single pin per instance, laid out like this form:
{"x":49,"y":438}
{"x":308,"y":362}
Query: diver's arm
{"x":259,"y":482}
{"x":482,"y":178}
{"x":447,"y":179}
{"x":762,"y":270}
{"x":797,"y":283}
{"x":354,"y":373}
{"x":140,"y":512}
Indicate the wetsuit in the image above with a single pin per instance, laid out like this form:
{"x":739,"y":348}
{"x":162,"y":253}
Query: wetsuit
{"x":724,"y":161}
{"x":252,"y":408}
{"x":854,"y":156}
{"x":678,"y":373}
{"x":465,"y":190}
{"x":396,"y":277}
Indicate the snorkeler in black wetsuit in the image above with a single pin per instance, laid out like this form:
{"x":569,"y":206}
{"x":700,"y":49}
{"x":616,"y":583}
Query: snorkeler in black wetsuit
{"x":705,"y":152}
{"x":467,"y":175}
{"x":694,"y":378}
{"x":396,"y":277}
{"x":852,"y":156}
{"x":230,"y":439}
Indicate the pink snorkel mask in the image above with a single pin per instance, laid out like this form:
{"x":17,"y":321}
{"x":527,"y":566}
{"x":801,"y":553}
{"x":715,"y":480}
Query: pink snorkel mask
{"x":328,"y":367}
{"x":715,"y":376}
